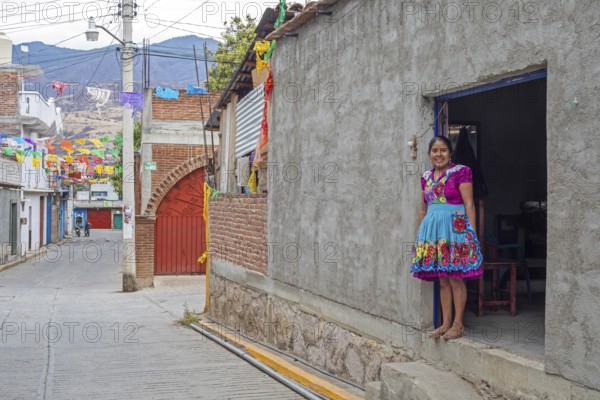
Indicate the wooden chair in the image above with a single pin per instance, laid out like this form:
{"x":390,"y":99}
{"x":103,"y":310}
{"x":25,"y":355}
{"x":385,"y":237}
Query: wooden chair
{"x":492,"y":263}
{"x":494,"y":299}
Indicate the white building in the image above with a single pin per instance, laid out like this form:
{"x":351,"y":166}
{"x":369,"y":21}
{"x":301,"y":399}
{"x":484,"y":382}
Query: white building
{"x":26,"y":114}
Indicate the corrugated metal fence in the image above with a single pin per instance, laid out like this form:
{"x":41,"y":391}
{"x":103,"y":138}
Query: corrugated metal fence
{"x":248,"y":118}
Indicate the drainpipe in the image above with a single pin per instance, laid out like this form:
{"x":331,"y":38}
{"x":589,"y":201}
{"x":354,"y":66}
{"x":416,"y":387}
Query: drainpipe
{"x":264,"y":368}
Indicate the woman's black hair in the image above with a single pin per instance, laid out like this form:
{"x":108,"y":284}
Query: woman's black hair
{"x":440,"y":139}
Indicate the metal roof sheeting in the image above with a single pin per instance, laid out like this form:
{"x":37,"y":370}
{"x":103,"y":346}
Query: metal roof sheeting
{"x":248,"y":118}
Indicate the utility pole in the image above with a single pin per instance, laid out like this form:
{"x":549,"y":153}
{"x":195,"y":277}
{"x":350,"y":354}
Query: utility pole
{"x":127,"y":13}
{"x":129,"y":270}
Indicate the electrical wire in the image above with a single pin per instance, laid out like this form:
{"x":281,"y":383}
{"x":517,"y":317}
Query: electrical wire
{"x":198,"y":25}
{"x":179,"y":20}
{"x":65,"y":115}
{"x":184,"y":30}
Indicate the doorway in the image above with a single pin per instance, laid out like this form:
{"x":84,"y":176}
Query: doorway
{"x":118,"y":221}
{"x":504,"y":125}
{"x":180,"y":230}
{"x":13,"y":233}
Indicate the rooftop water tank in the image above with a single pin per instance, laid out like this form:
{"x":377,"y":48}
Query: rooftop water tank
{"x":5,"y":50}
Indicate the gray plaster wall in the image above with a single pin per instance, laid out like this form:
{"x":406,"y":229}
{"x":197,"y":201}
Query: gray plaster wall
{"x":377,"y":65}
{"x":8,"y":197}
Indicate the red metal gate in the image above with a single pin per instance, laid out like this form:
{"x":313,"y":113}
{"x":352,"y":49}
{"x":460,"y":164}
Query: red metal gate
{"x":100,"y":219}
{"x":180,"y":231}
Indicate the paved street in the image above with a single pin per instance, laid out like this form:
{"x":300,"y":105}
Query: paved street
{"x":68,"y":332}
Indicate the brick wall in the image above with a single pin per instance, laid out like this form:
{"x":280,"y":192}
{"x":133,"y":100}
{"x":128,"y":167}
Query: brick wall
{"x":144,"y":247}
{"x":186,"y":108}
{"x":8,"y":93}
{"x":170,"y":156}
{"x":238,"y":230}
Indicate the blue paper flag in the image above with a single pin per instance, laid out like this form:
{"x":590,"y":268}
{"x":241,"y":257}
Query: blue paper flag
{"x":167,"y":93}
{"x":191,"y":89}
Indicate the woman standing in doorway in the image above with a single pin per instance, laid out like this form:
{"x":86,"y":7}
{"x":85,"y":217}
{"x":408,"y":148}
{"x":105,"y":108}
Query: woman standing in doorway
{"x":446,"y":247}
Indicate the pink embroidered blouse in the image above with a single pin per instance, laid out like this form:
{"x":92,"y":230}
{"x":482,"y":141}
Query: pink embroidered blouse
{"x":446,"y":188}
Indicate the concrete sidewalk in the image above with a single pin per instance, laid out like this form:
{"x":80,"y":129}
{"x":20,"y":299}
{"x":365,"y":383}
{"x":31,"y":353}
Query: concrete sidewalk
{"x":68,"y":332}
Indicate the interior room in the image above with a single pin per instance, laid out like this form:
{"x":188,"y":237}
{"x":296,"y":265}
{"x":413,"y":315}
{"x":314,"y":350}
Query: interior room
{"x":504,"y":129}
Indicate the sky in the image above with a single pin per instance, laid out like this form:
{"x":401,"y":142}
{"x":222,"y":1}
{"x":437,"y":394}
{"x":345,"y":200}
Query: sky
{"x":64,"y":22}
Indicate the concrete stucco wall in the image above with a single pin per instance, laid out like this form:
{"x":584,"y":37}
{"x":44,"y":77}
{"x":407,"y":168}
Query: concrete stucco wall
{"x":377,"y":65}
{"x":33,"y":222}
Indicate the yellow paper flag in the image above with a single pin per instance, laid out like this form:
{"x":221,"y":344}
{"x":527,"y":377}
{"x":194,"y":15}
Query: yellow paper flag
{"x":98,"y":168}
{"x":69,"y":159}
{"x":252,"y":182}
{"x":261,"y":64}
{"x":207,"y":193}
{"x":35,"y":162}
{"x":97,"y":143}
{"x":84,"y":151}
{"x":109,"y":169}
{"x":80,"y":141}
{"x":262,"y":47}
{"x":20,"y":158}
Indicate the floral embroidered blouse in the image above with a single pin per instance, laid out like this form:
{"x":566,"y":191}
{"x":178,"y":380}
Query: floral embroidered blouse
{"x":446,"y":188}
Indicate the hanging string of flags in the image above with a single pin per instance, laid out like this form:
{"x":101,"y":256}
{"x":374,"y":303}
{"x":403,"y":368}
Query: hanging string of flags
{"x":99,"y":96}
{"x":60,"y":87}
{"x":132,"y":100}
{"x":264,"y":50}
{"x":91,"y":165}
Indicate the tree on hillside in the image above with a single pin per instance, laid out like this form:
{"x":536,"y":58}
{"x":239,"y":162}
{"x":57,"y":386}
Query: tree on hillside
{"x":238,"y":36}
{"x":116,"y":180}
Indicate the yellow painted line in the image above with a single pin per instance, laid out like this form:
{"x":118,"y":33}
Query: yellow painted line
{"x":313,"y":382}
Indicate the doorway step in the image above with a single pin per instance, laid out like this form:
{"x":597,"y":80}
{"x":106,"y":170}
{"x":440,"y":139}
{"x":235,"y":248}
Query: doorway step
{"x":419,"y":381}
{"x":489,"y":371}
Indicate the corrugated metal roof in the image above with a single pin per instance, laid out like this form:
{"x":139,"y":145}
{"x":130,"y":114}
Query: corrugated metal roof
{"x":241,"y":82}
{"x":248,"y":118}
{"x":300,"y":18}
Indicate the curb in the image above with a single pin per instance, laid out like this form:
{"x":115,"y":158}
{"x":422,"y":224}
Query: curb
{"x":285,"y":368}
{"x":22,"y":259}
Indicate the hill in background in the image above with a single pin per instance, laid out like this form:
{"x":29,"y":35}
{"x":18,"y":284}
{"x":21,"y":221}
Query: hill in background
{"x":171,"y":65}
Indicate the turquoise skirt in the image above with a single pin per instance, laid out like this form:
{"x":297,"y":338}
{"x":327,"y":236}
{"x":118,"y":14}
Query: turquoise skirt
{"x":446,"y":245}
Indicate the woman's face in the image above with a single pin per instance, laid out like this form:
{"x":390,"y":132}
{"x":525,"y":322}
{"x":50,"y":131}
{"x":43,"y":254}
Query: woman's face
{"x":439,"y":155}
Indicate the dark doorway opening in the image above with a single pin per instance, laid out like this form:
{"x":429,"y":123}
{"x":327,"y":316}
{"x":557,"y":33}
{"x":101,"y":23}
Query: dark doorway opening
{"x":505,"y":125}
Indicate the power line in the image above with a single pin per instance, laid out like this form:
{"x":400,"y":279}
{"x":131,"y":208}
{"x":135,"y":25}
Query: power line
{"x":198,"y":25}
{"x":179,"y":20}
{"x":184,"y":30}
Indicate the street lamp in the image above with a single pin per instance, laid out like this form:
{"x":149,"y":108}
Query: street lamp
{"x":129,"y":270}
{"x":92,"y":33}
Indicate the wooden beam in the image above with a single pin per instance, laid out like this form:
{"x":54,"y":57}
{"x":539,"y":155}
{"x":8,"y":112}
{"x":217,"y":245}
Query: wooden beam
{"x":241,"y":85}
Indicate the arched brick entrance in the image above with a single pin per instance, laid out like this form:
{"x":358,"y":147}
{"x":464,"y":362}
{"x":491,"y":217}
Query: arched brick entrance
{"x":180,"y":231}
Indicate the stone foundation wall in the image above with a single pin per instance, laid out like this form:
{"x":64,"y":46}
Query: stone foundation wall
{"x":321,"y":343}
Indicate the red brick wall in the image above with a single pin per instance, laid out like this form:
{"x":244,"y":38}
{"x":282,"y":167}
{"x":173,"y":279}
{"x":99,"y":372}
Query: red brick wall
{"x":144,"y":247}
{"x":238,"y":230}
{"x":186,"y":108}
{"x":170,"y":156}
{"x":8,"y":93}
